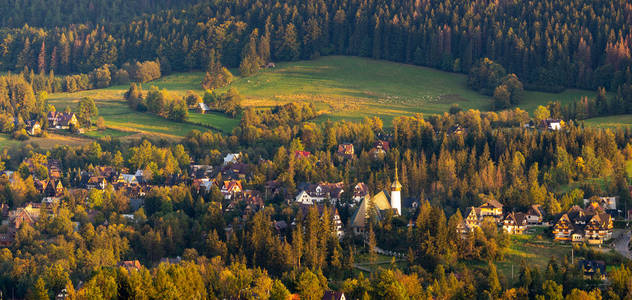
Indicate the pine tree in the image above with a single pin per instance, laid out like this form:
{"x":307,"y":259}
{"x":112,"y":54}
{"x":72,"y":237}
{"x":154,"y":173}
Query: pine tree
{"x":41,"y":59}
{"x":39,"y":291}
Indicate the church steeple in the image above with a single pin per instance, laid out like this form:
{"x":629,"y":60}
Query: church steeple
{"x":396,"y":197}
{"x":396,"y":186}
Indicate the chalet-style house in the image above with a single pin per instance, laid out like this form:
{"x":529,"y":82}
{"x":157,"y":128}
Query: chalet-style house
{"x":204,"y":184}
{"x":553,"y":124}
{"x":96,"y":182}
{"x":456,"y":130}
{"x":200,"y":171}
{"x":302,"y":154}
{"x":24,"y":215}
{"x":474,"y":216}
{"x":127,"y":179}
{"x":593,"y":269}
{"x":345,"y":151}
{"x":50,"y":188}
{"x":591,"y":225}
{"x":607,"y":203}
{"x":535,"y":214}
{"x":379,"y":149}
{"x":248,"y":201}
{"x":61,"y":120}
{"x":360,"y":191}
{"x":491,"y":208}
{"x":515,"y":223}
{"x":33,"y":127}
{"x":236,"y":171}
{"x":230,"y":188}
{"x":202,"y":108}
{"x":333,"y":295}
{"x":130,"y":265}
{"x":314,"y":193}
{"x":232,"y":158}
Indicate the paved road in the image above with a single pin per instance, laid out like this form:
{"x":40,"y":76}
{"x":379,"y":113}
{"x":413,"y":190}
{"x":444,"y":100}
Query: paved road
{"x":621,"y":244}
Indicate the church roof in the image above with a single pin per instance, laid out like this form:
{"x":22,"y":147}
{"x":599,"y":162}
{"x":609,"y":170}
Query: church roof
{"x":380,"y":201}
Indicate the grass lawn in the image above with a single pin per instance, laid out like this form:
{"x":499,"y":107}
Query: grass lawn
{"x":610,"y":121}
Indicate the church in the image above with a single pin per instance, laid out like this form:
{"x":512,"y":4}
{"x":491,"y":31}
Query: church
{"x":381,"y":203}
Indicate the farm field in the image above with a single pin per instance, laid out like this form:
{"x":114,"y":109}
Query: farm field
{"x":348,"y":88}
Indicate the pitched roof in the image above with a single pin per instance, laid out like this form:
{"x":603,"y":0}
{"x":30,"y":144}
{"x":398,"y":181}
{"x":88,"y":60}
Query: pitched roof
{"x":380,"y":202}
{"x":332,"y":295}
{"x":493,"y":203}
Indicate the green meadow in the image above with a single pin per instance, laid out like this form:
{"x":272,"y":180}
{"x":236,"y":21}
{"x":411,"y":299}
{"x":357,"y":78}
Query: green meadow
{"x":341,"y":88}
{"x":610,"y":121}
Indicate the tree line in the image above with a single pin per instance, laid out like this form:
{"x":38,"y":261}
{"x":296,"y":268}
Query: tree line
{"x":569,"y":44}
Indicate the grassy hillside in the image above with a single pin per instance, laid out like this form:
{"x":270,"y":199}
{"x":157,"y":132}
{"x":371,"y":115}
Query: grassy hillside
{"x":125,"y":122}
{"x":347,"y":88}
{"x":353,"y":87}
{"x":610,"y":121}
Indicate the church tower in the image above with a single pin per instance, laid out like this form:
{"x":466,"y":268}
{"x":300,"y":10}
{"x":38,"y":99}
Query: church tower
{"x":396,"y":194}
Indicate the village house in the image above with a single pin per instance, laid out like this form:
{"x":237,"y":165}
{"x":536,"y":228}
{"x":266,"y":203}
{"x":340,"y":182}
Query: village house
{"x":456,"y":130}
{"x":491,"y":208}
{"x":202,"y":108}
{"x":360,"y":190}
{"x":251,"y":201}
{"x":230,"y":188}
{"x":126,"y":180}
{"x":553,"y":124}
{"x":535,"y":214}
{"x":130,"y":265}
{"x":314,"y":193}
{"x":200,"y":171}
{"x":345,"y":151}
{"x":232,"y":158}
{"x":205,"y":184}
{"x":302,"y":154}
{"x":61,"y":120}
{"x":33,"y":127}
{"x":591,"y":225}
{"x":515,"y":223}
{"x":96,"y":182}
{"x":593,"y":269}
{"x":474,"y":216}
{"x":607,"y":203}
{"x":379,"y":150}
{"x":28,"y":214}
{"x":236,"y":171}
{"x":49,"y":188}
{"x":334,"y":295}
